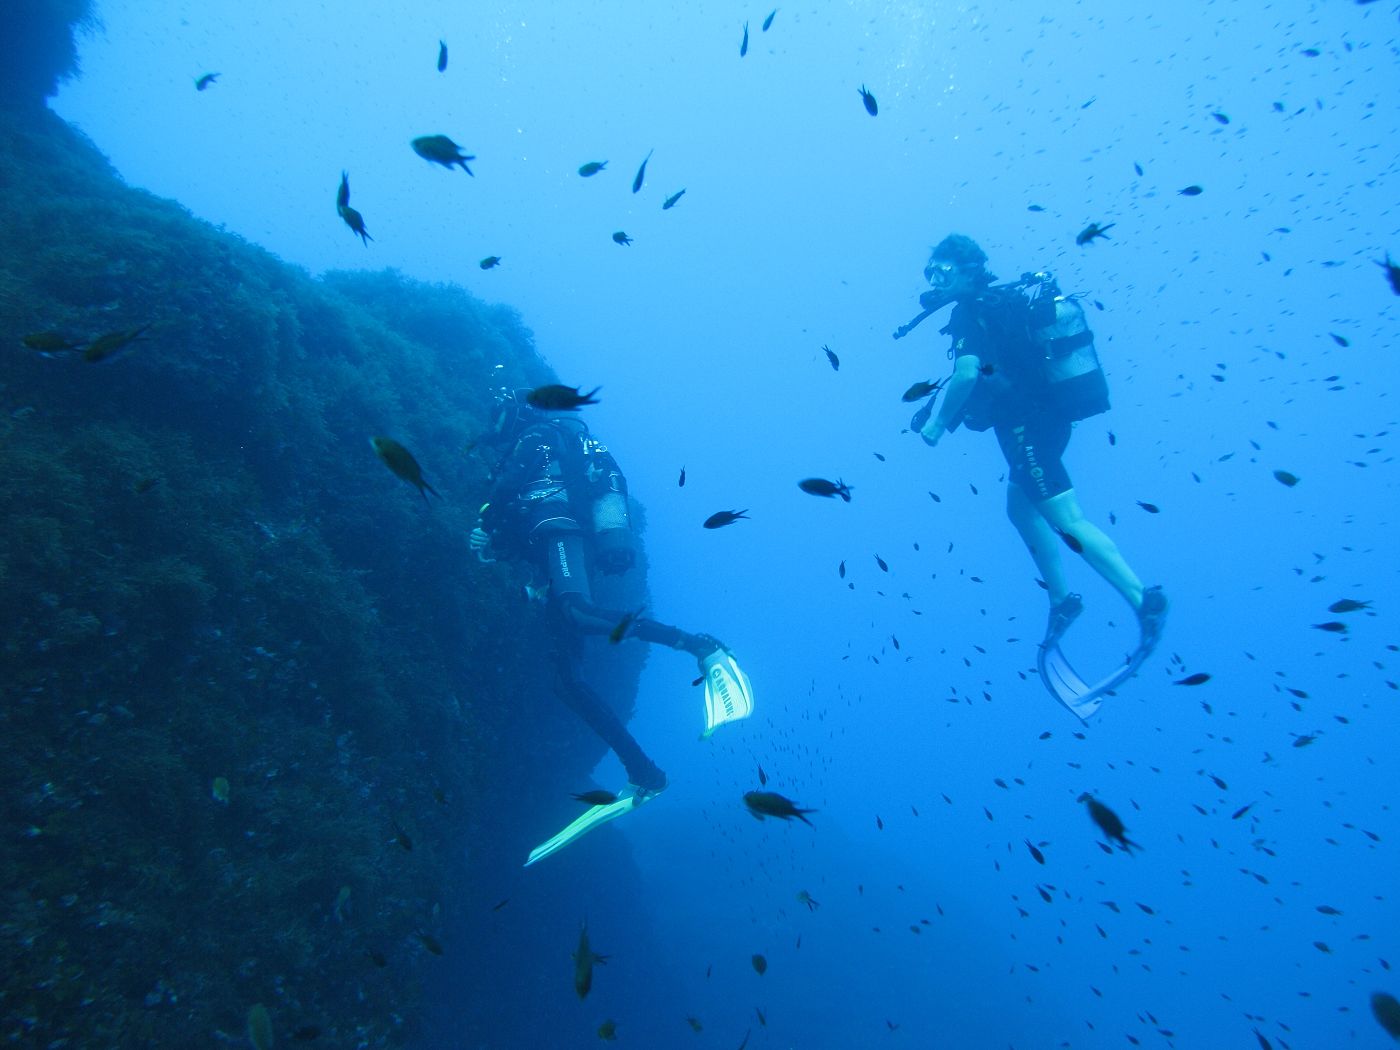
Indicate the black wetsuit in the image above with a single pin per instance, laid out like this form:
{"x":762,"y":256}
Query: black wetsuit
{"x":540,"y":509}
{"x":1031,"y":416}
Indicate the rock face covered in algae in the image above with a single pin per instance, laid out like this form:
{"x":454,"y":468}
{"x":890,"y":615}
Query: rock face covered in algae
{"x":255,"y":696}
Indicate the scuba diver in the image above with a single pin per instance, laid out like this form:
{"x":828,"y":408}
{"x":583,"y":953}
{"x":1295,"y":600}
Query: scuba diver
{"x":1024,"y":367}
{"x":559,"y":502}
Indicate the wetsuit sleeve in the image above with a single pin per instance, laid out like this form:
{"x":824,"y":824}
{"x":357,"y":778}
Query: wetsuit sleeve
{"x":959,"y":389}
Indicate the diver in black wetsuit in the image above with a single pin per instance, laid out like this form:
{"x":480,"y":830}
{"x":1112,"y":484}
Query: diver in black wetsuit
{"x":559,"y":501}
{"x":1024,"y":366}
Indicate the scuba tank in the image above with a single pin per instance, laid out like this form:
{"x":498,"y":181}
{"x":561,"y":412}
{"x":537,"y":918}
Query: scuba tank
{"x":610,"y":518}
{"x":1069,"y":366}
{"x":563,"y":480}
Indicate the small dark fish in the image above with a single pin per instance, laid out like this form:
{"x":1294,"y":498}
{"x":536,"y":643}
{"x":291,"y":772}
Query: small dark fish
{"x":769,"y":20}
{"x":1092,"y":232}
{"x":1392,"y":273}
{"x":1347,"y":605}
{"x":1112,"y":438}
{"x":624,"y":625}
{"x":695,"y":1025}
{"x":879,"y":824}
{"x":51,"y":342}
{"x":555,"y":397}
{"x":401,"y":462}
{"x":352,"y":218}
{"x":1285,"y":478}
{"x":881,"y":562}
{"x":584,"y":958}
{"x":869,"y":100}
{"x":608,"y":1030}
{"x":442,"y":150}
{"x":500,"y":904}
{"x":841,"y":570}
{"x":1332,"y":627}
{"x":1327,"y":909}
{"x":204,"y":81}
{"x":490,"y":262}
{"x":356,"y":222}
{"x":721,"y":518}
{"x":760,"y":964}
{"x":596,"y":798}
{"x":770,"y":804}
{"x":641,"y":173}
{"x":401,"y":837}
{"x":1221,"y":118}
{"x":1151,"y":508}
{"x":305,"y":1033}
{"x":376,"y":957}
{"x":1199,"y":678}
{"x":620,"y":237}
{"x":762,"y":777}
{"x":430,"y":942}
{"x":1387,"y":1012}
{"x":744,"y":44}
{"x":822,"y":487}
{"x":592,"y":168}
{"x":921,"y":390}
{"x":108,"y":343}
{"x":1035,"y":853}
{"x":1108,"y":822}
{"x":670,"y":202}
{"x":1191,"y":191}
{"x":1241,"y":811}
{"x":1304,"y":740}
{"x":680,"y":482}
{"x":1138,"y":168}
{"x":832,"y":358}
{"x":442,"y":57}
{"x":1340,"y":340}
{"x":1071,"y":542}
{"x":1034,"y":207}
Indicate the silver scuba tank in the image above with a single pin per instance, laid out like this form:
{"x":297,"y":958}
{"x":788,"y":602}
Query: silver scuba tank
{"x":1069,"y":365}
{"x":611,"y":519}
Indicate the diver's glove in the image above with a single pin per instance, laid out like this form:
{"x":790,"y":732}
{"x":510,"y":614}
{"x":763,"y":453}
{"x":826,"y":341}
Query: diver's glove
{"x":481,"y":543}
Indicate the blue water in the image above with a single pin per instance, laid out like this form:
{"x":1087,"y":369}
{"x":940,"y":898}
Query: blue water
{"x":807,"y":222}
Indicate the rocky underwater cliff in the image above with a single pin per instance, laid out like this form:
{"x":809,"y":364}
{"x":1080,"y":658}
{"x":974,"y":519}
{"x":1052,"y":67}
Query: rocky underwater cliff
{"x":271,"y":735}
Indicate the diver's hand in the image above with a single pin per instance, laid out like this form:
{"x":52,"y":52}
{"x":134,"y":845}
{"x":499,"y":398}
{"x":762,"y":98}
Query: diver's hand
{"x":481,"y":543}
{"x":932,"y":432}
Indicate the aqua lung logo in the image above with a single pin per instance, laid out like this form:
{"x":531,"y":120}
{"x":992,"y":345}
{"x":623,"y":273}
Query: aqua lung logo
{"x":721,"y":684}
{"x":1034,"y":469}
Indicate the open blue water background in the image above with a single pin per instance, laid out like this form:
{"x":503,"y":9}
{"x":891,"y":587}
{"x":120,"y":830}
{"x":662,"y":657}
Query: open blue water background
{"x":807,"y":222}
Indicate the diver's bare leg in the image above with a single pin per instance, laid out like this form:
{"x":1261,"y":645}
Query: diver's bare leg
{"x":1040,"y":540}
{"x":1063,"y":513}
